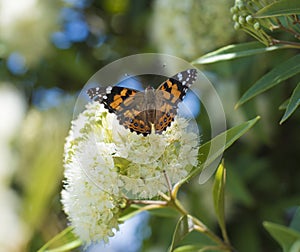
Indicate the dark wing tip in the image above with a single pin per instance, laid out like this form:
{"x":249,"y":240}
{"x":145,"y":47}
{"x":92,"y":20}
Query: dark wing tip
{"x":93,"y":92}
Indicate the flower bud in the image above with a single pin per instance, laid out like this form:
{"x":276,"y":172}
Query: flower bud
{"x":249,"y":19}
{"x":256,"y":26}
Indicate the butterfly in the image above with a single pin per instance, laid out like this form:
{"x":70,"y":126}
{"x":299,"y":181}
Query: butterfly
{"x":150,"y":111}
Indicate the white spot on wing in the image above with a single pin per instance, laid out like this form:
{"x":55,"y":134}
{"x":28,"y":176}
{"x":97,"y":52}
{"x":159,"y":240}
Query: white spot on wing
{"x":179,"y":76}
{"x":108,"y":89}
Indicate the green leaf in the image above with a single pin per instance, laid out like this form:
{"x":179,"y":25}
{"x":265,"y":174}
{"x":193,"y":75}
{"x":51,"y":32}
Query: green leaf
{"x":235,"y":51}
{"x":295,"y":224}
{"x":293,"y":103}
{"x":278,"y":74}
{"x":231,"y":136}
{"x":134,"y":209}
{"x":184,"y":226}
{"x":279,"y":8}
{"x":196,"y":248}
{"x":218,"y":196}
{"x":283,"y":106}
{"x":64,"y":241}
{"x":295,"y":247}
{"x":285,"y":236}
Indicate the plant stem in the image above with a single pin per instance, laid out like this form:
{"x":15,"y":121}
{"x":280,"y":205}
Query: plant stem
{"x":172,"y":202}
{"x":283,"y":42}
{"x":280,"y":26}
{"x":148,"y":202}
{"x":200,"y":226}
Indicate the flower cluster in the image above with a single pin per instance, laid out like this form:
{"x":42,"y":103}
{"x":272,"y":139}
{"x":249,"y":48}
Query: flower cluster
{"x":106,"y":163}
{"x":194,"y":27}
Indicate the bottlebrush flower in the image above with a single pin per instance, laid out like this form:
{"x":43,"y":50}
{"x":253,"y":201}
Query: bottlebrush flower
{"x":106,"y":163}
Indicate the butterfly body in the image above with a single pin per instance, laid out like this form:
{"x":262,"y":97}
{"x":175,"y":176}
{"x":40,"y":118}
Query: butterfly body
{"x":150,"y":111}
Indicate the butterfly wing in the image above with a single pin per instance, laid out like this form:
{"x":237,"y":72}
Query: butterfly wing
{"x":134,"y":111}
{"x":168,"y":95}
{"x":111,"y":97}
{"x":127,"y":104}
{"x":178,"y":85}
{"x":133,"y":114}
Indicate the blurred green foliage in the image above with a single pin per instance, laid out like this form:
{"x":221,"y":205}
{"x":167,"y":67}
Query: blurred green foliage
{"x":262,"y":168}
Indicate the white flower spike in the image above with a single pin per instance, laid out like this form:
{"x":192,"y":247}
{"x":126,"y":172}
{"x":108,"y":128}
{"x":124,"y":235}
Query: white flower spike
{"x":105,"y":163}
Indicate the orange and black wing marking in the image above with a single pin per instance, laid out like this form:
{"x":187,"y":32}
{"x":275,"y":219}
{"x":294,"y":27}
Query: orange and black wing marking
{"x":112,"y":98}
{"x":136,"y":121}
{"x":164,"y":117}
{"x":127,"y":104}
{"x":177,"y":86}
{"x":169,"y":94}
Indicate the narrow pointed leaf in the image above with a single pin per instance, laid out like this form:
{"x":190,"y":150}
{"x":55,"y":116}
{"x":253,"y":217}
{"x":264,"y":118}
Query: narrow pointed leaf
{"x":295,"y":247}
{"x":293,"y":103}
{"x":231,"y":52}
{"x":283,"y":106}
{"x":70,"y":246}
{"x":285,"y":236}
{"x":278,"y":74}
{"x":196,"y":248}
{"x":184,"y":226}
{"x":218,"y":196}
{"x":133,"y":210}
{"x":64,"y":241}
{"x":279,"y":8}
{"x":231,"y":136}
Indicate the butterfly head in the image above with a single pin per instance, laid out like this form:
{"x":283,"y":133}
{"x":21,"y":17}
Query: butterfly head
{"x":149,"y":88}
